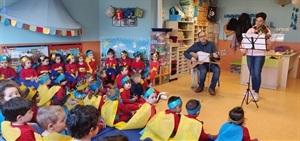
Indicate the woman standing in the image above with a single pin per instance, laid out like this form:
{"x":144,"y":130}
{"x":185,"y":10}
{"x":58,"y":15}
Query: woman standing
{"x":256,"y":58}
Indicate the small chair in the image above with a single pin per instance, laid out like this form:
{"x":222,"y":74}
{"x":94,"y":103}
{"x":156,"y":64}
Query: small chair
{"x":195,"y":73}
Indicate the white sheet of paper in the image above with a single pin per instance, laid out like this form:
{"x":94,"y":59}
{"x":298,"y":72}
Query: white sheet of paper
{"x":203,"y":56}
{"x":259,"y":41}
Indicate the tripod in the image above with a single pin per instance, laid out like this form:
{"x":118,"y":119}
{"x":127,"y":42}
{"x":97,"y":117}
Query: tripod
{"x":249,"y":44}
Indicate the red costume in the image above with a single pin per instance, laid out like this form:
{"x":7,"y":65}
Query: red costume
{"x":129,"y":103}
{"x":72,"y":70}
{"x":126,"y":62}
{"x":176,"y":120}
{"x":82,"y":69}
{"x":119,"y":78}
{"x":111,"y":68}
{"x":154,"y":66}
{"x":153,"y":111}
{"x":59,"y":95}
{"x":92,"y":65}
{"x":34,"y":109}
{"x":56,"y":66}
{"x":136,"y":66}
{"x":203,"y":135}
{"x":8,"y":72}
{"x":43,"y":69}
{"x":28,"y":73}
{"x":246,"y":135}
{"x":123,"y":114}
{"x":27,"y":132}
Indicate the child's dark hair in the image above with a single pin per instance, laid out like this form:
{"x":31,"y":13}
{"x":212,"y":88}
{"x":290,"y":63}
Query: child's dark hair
{"x":192,"y":105}
{"x":262,"y":15}
{"x":81,"y":119}
{"x":30,"y":94}
{"x":42,"y":58}
{"x":122,"y":68}
{"x":4,"y":84}
{"x":115,"y":138}
{"x":111,"y":51}
{"x":15,"y":107}
{"x":58,"y":55}
{"x":236,"y":115}
{"x":172,"y":99}
{"x":68,"y":58}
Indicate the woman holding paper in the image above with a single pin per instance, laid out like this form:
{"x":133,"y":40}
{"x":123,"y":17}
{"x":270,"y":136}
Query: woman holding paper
{"x":256,"y":58}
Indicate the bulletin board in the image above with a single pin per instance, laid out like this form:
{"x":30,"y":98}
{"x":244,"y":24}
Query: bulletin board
{"x":16,"y":52}
{"x":64,"y":50}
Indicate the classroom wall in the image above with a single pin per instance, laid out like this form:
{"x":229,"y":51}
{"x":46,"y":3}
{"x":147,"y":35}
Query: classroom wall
{"x":144,"y":24}
{"x":236,"y":56}
{"x":85,"y":12}
{"x":278,"y":15}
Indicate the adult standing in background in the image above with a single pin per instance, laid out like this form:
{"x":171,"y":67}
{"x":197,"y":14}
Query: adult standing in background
{"x":256,"y":58}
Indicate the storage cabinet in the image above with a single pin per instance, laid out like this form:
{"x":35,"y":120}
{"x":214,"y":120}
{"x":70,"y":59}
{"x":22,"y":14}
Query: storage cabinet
{"x":183,"y":30}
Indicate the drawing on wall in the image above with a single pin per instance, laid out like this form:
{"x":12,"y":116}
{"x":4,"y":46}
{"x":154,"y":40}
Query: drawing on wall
{"x":64,"y":50}
{"x":15,"y":53}
{"x":129,"y":44}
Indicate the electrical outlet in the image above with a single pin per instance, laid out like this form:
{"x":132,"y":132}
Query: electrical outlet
{"x":282,"y":29}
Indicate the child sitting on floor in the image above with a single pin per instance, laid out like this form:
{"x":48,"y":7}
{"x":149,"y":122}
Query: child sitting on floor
{"x":6,"y":72}
{"x":136,"y":86}
{"x":234,"y":129}
{"x":111,"y":66}
{"x":114,"y":111}
{"x":45,"y":91}
{"x":52,"y":120}
{"x":143,"y":114}
{"x":193,"y":107}
{"x":137,"y":65}
{"x":18,"y":113}
{"x":125,"y":61}
{"x":44,"y":67}
{"x":8,"y":90}
{"x":132,"y":102}
{"x":94,"y":97}
{"x":60,"y":81}
{"x":123,"y":73}
{"x":82,"y":66}
{"x":164,"y":125}
{"x":84,"y":122}
{"x":33,"y":96}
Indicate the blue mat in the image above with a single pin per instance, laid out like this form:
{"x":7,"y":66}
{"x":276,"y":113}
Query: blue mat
{"x":133,"y":135}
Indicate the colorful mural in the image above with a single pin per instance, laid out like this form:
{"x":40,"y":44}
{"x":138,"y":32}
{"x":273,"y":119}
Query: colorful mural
{"x":129,"y":44}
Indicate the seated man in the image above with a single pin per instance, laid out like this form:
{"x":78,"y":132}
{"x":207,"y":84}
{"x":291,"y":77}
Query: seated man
{"x":208,"y":47}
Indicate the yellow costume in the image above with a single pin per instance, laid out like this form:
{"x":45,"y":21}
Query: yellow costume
{"x":53,"y":136}
{"x":46,"y":94}
{"x":109,"y":111}
{"x":160,"y":127}
{"x":88,"y":60}
{"x":138,"y":120}
{"x":10,"y":133}
{"x":184,"y":131}
{"x":95,"y":101}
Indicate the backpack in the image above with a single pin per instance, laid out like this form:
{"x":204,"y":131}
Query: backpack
{"x":232,"y":24}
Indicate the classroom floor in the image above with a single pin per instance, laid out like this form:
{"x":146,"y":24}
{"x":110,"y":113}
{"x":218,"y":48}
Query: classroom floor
{"x":277,"y":118}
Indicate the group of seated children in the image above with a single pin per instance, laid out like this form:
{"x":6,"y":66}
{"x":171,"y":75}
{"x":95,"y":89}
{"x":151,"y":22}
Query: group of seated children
{"x":171,"y":125}
{"x":84,"y":106}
